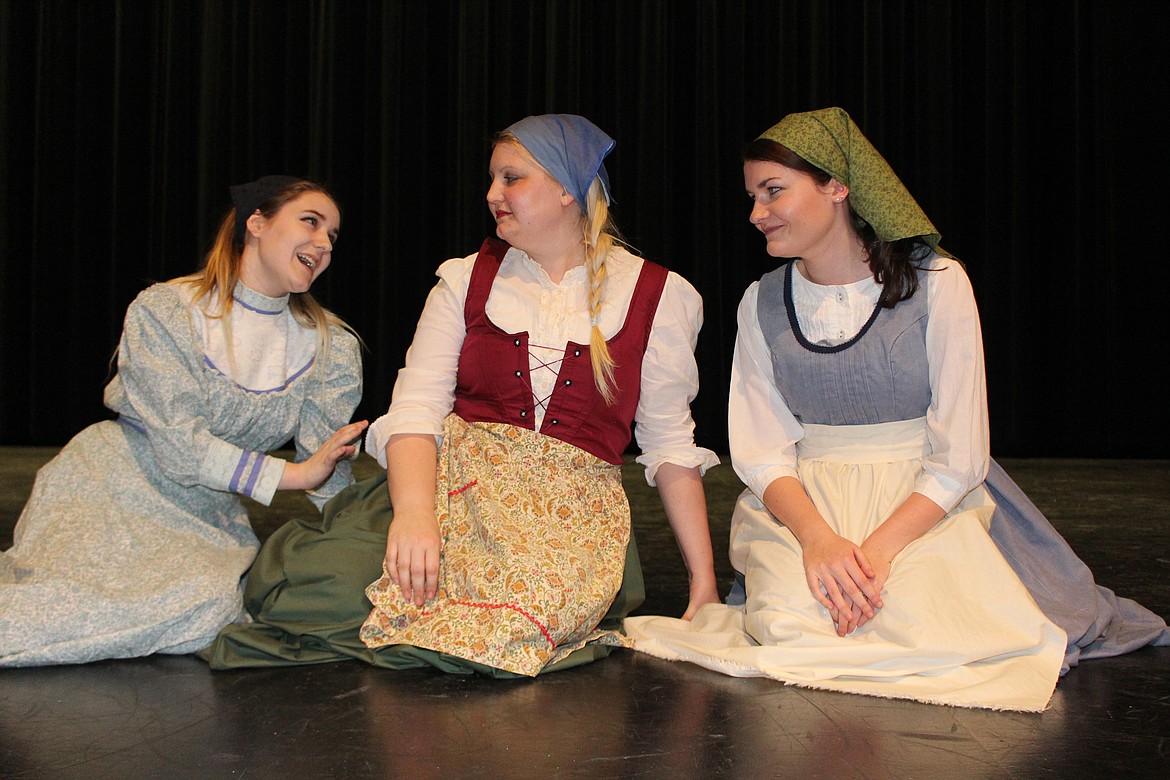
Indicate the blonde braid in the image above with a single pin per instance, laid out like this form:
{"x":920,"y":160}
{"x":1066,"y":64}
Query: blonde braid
{"x":598,"y":241}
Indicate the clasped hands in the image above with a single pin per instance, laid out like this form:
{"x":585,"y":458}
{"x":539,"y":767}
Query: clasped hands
{"x":845,"y":578}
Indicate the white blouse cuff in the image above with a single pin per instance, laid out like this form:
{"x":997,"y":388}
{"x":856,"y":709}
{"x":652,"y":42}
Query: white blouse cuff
{"x":252,"y":474}
{"x":696,"y":457}
{"x":758,"y":483}
{"x":942,"y":490}
{"x":376,"y":438}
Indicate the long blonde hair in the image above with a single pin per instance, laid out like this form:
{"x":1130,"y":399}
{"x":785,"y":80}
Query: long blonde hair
{"x":220,"y":272}
{"x":598,"y":235}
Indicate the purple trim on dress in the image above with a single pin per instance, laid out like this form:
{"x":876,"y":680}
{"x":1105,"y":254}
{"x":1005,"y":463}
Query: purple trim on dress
{"x":280,"y":389}
{"x":799,"y":334}
{"x":234,"y":484}
{"x":253,"y":308}
{"x":254,"y":477}
{"x":132,"y":425}
{"x":296,"y":374}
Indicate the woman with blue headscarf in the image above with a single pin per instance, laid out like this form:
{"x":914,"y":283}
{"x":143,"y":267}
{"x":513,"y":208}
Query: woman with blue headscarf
{"x":499,"y":539}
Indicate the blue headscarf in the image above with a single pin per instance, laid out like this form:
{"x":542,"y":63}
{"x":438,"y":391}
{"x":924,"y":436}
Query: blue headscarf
{"x":571,"y":149}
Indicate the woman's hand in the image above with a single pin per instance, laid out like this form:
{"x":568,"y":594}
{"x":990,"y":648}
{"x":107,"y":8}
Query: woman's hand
{"x":880,"y":560}
{"x":914,"y":517}
{"x":841,"y":579}
{"x":414,"y":542}
{"x":412,"y":555}
{"x":681,"y":489}
{"x":701,"y":595}
{"x":310,"y":473}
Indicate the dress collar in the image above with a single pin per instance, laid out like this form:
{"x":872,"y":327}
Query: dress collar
{"x":256,"y":302}
{"x":790,"y":271}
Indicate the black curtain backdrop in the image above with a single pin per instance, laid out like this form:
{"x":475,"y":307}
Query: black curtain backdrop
{"x":1032,"y":132}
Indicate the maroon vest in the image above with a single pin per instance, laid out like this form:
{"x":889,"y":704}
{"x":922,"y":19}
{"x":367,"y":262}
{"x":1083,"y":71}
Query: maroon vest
{"x":493,"y":383}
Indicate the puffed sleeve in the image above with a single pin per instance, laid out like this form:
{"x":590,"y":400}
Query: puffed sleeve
{"x":329,"y":404}
{"x":762,"y":431}
{"x":957,"y":426}
{"x":162,"y":387}
{"x":424,"y":392}
{"x":663,"y":424}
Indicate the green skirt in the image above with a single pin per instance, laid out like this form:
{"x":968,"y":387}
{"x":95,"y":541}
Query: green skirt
{"x":306,"y":594}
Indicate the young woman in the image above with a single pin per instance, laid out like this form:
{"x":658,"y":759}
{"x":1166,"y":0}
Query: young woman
{"x":134,"y":539}
{"x":499,"y":537}
{"x":858,"y":421}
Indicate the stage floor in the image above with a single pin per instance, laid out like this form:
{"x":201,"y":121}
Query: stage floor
{"x":628,"y":715}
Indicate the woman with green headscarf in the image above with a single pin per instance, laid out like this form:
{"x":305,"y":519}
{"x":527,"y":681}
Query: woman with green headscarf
{"x":872,"y":546}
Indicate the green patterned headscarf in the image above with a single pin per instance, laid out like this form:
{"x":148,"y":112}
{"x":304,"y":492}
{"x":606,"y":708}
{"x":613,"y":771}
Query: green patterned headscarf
{"x":830,"y":140}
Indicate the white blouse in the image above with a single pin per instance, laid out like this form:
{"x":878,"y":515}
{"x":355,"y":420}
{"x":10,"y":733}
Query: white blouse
{"x":763,"y":432}
{"x":524,"y":298}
